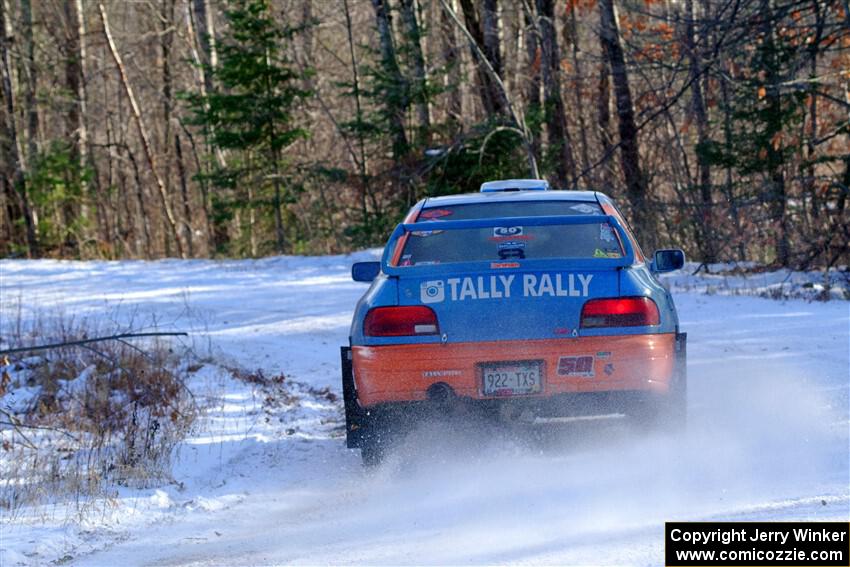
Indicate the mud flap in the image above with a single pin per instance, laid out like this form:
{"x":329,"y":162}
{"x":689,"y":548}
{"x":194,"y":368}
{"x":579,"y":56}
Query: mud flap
{"x":679,"y":387}
{"x":681,"y":368}
{"x":354,"y":416}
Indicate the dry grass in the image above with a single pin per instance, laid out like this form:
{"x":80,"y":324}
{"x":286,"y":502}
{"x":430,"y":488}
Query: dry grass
{"x":78,"y":422}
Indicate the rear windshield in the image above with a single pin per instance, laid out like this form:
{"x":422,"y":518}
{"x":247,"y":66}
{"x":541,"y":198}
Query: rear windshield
{"x":504,"y":243}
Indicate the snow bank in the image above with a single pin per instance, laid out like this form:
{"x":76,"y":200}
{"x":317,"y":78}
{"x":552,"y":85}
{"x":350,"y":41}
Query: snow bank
{"x":751,"y":279}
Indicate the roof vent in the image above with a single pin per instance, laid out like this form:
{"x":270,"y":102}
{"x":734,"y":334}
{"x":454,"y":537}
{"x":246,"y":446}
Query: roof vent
{"x":515,"y":185}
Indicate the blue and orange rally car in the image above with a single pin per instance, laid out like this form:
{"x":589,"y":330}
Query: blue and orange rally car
{"x":515,"y":301}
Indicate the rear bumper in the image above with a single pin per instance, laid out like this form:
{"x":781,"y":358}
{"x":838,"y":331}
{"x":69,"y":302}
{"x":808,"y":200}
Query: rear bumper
{"x":407,"y":373}
{"x":580,"y":404}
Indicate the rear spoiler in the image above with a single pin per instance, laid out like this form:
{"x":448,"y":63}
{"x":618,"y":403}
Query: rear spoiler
{"x":402,"y":230}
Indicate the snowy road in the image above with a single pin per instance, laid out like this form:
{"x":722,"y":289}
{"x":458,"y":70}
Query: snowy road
{"x":768,"y":436}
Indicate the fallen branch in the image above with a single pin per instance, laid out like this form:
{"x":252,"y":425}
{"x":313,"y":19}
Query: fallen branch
{"x":87,"y":341}
{"x":17,"y":424}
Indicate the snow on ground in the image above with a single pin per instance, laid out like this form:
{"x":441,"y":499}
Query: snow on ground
{"x":747,"y":279}
{"x":270,"y":482}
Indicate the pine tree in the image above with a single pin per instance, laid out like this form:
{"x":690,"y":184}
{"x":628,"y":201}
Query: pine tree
{"x":250,"y":109}
{"x":764,"y":115}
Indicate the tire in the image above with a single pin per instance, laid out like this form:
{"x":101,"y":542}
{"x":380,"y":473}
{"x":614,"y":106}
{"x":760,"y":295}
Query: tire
{"x":375,"y":439}
{"x":668,"y":413}
{"x":371,"y":453}
{"x":674,"y":411}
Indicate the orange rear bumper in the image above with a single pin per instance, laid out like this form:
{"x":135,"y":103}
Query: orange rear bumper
{"x":403,"y":373}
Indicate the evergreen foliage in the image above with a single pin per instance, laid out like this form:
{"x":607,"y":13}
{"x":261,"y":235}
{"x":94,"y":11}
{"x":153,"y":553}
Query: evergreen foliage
{"x":250,"y":112}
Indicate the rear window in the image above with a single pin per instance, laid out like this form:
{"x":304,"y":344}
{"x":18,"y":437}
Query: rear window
{"x":505,"y":243}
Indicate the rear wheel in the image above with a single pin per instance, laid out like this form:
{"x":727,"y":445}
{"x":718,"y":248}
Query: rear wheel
{"x":371,"y":453}
{"x":674,"y":413}
{"x":667,"y":412}
{"x":377,"y":434}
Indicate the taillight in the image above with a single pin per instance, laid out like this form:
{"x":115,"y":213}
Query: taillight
{"x":400,"y":321}
{"x":619,"y":312}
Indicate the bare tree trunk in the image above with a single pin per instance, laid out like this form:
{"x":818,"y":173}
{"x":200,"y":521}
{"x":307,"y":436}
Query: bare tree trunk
{"x":123,"y":228}
{"x":729,"y":185}
{"x":777,"y":189}
{"x":10,"y":140}
{"x":397,"y":102}
{"x":490,"y":29}
{"x":184,"y":192}
{"x":252,"y":220}
{"x":452,"y":60}
{"x":603,"y":126}
{"x":144,"y":218}
{"x":556,"y":119}
{"x":165,"y":16}
{"x":307,"y":23}
{"x":202,"y":19}
{"x":204,"y":22}
{"x":708,"y":237}
{"x":166,"y":37}
{"x":361,"y":161}
{"x":76,"y":130}
{"x":204,"y":84}
{"x":30,"y":83}
{"x":810,"y":136}
{"x":9,"y":209}
{"x":278,"y":205}
{"x":143,"y":134}
{"x":513,"y":48}
{"x":420,"y":88}
{"x":571,"y":38}
{"x":82,"y":55}
{"x":643,"y":214}
{"x":533,"y":52}
{"x":491,"y":99}
{"x":514,"y":113}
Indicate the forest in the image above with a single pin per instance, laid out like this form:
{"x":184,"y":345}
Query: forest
{"x":244,"y":128}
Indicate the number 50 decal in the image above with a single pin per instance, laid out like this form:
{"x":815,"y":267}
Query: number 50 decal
{"x":575,"y":366}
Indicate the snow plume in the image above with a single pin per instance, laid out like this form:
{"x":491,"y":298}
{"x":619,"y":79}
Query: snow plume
{"x":756,"y":435}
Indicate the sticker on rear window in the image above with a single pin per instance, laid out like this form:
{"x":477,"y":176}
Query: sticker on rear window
{"x":506,"y":244}
{"x":586,"y":209}
{"x":432,"y":214}
{"x":576,"y":366}
{"x":599,"y":253}
{"x":507,"y":231}
{"x":606,"y":233}
{"x":514,"y":237}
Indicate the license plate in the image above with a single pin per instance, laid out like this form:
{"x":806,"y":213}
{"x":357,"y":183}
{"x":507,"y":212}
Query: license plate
{"x":512,"y":378}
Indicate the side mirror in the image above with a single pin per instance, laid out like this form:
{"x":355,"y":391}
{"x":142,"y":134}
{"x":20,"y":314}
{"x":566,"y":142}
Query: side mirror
{"x":668,"y":260}
{"x":365,"y":271}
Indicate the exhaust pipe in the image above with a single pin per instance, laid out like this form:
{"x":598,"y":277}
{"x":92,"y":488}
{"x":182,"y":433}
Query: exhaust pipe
{"x":441,"y":393}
